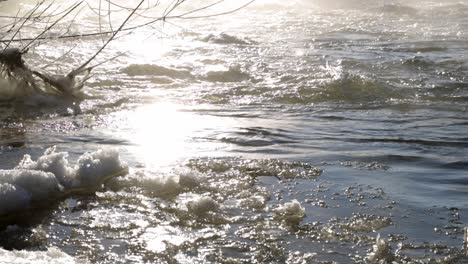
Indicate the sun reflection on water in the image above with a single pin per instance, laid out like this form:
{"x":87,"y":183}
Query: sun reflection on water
{"x":164,"y":133}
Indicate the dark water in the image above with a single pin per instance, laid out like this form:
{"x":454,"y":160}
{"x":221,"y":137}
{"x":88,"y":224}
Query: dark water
{"x":357,"y":110}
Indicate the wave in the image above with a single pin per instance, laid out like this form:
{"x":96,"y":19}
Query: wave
{"x":256,"y":137}
{"x":422,"y":49}
{"x":356,"y":89}
{"x":233,"y":74}
{"x":226,"y":39}
{"x":419,"y":61}
{"x":431,"y":143}
{"x":156,"y":70}
{"x":348,"y":88}
{"x":457,"y":165}
{"x":424,"y":9}
{"x":344,"y":89}
{"x":397,"y":9}
{"x":50,"y":177}
{"x":458,"y":9}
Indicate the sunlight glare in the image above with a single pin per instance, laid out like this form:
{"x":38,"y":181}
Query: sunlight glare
{"x":164,"y":133}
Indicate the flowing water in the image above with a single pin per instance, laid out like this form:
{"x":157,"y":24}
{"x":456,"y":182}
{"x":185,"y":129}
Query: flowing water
{"x":288,"y":132}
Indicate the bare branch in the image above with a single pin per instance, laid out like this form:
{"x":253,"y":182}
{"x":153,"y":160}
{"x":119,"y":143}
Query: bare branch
{"x":52,"y":25}
{"x":108,"y":41}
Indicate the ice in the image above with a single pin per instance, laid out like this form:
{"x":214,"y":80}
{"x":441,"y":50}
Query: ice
{"x":90,"y":170}
{"x":189,"y":180}
{"x":290,"y":213}
{"x":166,"y":187}
{"x":202,"y":205}
{"x":381,"y":252}
{"x":256,"y":202}
{"x":12,"y":197}
{"x":93,"y":168}
{"x":51,"y":176}
{"x":163,"y":186}
{"x":39,"y":184}
{"x":53,"y":162}
{"x":51,"y":256}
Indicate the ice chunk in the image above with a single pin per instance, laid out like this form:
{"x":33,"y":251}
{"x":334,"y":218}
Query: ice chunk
{"x":93,"y":168}
{"x":39,"y":184}
{"x":290,"y":213}
{"x":51,"y":256}
{"x":381,"y":252}
{"x":256,"y":202}
{"x":202,"y":205}
{"x":53,"y":162}
{"x":165,"y":187}
{"x":12,"y":198}
{"x":189,"y":180}
{"x":34,"y":181}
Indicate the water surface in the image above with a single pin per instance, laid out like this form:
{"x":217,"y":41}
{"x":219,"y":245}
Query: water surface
{"x":357,"y":111}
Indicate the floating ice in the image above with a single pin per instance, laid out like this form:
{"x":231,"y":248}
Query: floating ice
{"x":202,"y":205}
{"x":256,"y":202}
{"x":163,"y":186}
{"x":290,"y":213}
{"x":224,"y":38}
{"x":233,"y":74}
{"x":52,"y":162}
{"x":91,"y":168}
{"x":13,"y":197}
{"x":39,"y":184}
{"x":189,"y":180}
{"x":51,"y":256}
{"x":366,"y":223}
{"x":156,"y":70}
{"x":51,"y":176}
{"x":381,"y":252}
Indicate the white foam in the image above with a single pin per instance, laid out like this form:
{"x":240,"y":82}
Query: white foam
{"x":290,"y":213}
{"x":50,"y":174}
{"x":51,"y":256}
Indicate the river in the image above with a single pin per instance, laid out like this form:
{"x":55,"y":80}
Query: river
{"x":286,"y":132}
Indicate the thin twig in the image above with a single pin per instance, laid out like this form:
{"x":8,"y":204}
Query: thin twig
{"x":108,"y":41}
{"x":144,"y":24}
{"x":183,"y":16}
{"x":53,"y":24}
{"x":17,"y":31}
